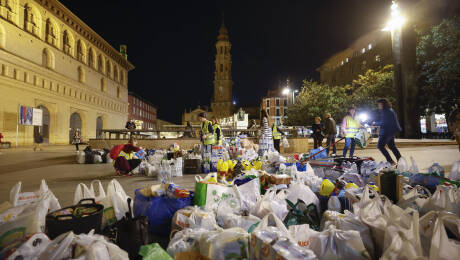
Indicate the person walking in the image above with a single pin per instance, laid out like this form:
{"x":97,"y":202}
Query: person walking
{"x":76,"y":139}
{"x":350,"y":127}
{"x":317,"y":135}
{"x":206,"y":134}
{"x":218,"y":135}
{"x":38,"y":140}
{"x":389,"y":126}
{"x":330,"y":129}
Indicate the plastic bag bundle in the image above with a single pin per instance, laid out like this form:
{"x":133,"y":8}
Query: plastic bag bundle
{"x":228,"y":243}
{"x":233,"y":220}
{"x":455,"y":171}
{"x":185,"y":240}
{"x":272,"y":203}
{"x":193,"y":217}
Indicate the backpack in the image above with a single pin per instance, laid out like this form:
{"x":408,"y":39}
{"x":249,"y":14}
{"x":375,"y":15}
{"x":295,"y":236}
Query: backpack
{"x":115,"y":151}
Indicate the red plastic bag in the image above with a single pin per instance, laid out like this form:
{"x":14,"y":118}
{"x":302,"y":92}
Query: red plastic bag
{"x":115,"y":151}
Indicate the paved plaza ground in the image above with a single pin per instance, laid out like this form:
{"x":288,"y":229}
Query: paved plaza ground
{"x":56,"y":164}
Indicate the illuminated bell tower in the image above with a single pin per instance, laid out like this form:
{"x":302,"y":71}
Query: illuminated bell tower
{"x":221,"y":104}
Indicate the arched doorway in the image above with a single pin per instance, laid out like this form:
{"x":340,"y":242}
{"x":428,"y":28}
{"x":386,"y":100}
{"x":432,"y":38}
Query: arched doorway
{"x":75,"y":124}
{"x":99,"y":124}
{"x":44,"y":129}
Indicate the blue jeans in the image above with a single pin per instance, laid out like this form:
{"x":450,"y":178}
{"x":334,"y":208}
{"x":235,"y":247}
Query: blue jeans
{"x":349,"y":143}
{"x":389,"y":140}
{"x":205,"y":149}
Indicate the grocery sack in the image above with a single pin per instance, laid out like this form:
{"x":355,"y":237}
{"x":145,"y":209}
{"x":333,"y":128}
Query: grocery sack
{"x":97,"y":158}
{"x":402,"y":238}
{"x":193,"y":217}
{"x":159,"y":210}
{"x":300,"y":213}
{"x":455,"y":171}
{"x":272,"y":203}
{"x":83,"y":246}
{"x":19,"y":221}
{"x":415,"y":198}
{"x":230,"y":243}
{"x":29,"y":247}
{"x":272,"y":222}
{"x":349,"y":221}
{"x":302,"y":234}
{"x":436,"y":242}
{"x":80,"y":157}
{"x":444,"y":198}
{"x":185,"y":240}
{"x":117,"y":196}
{"x":334,"y":243}
{"x":82,"y":192}
{"x":285,"y":142}
{"x":17,"y":197}
{"x":215,"y":194}
{"x":297,"y":190}
{"x":231,"y":220}
{"x":362,"y":138}
{"x":154,"y":252}
{"x":248,"y":194}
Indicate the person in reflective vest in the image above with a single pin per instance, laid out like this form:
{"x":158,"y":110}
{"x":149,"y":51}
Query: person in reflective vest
{"x":276,"y":137}
{"x":350,"y":127}
{"x":206,"y":134}
{"x":218,"y":135}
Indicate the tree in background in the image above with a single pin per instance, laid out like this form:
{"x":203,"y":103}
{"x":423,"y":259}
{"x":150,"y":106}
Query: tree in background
{"x":438,"y":60}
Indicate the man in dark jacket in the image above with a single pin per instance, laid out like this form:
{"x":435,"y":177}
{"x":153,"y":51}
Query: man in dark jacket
{"x":389,"y":126}
{"x":330,"y":130}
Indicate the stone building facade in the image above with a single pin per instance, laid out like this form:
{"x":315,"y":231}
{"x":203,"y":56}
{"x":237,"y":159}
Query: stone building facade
{"x":221,"y":104}
{"x":276,"y":104}
{"x":50,"y":59}
{"x":142,"y":111}
{"x":370,"y":51}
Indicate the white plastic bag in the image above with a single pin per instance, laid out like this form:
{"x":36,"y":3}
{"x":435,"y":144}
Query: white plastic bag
{"x":414,"y":168}
{"x":230,"y":243}
{"x":17,"y":197}
{"x":444,"y":198}
{"x":232,"y":220}
{"x":97,"y":158}
{"x":455,"y":171}
{"x":82,"y":192}
{"x":334,"y":204}
{"x":80,"y":157}
{"x":333,"y":243}
{"x":216,"y":193}
{"x":302,"y":234}
{"x":403,"y":166}
{"x":272,"y":222}
{"x":272,"y":203}
{"x":285,"y":142}
{"x":435,"y":242}
{"x":185,"y":240}
{"x":248,"y":194}
{"x":119,"y":199}
{"x":30,"y":248}
{"x":415,"y":198}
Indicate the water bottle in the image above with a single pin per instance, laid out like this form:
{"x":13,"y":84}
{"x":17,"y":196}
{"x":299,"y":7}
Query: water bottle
{"x":161,"y":173}
{"x":436,"y":169}
{"x":334,"y":204}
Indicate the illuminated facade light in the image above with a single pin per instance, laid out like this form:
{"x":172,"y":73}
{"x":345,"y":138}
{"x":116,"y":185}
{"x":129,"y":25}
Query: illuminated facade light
{"x":396,"y":19}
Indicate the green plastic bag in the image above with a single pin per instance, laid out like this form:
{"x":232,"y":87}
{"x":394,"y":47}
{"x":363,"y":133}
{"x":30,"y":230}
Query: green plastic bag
{"x":199,"y":198}
{"x":297,"y":216}
{"x":154,"y":252}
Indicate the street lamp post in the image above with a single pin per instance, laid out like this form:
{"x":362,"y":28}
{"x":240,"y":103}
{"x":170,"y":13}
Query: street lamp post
{"x":287,"y":91}
{"x":404,"y":79}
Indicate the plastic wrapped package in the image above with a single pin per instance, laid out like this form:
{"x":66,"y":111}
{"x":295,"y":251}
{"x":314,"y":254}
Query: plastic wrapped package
{"x":272,"y":203}
{"x":230,"y":243}
{"x":193,"y":217}
{"x":185,"y":240}
{"x":314,"y":182}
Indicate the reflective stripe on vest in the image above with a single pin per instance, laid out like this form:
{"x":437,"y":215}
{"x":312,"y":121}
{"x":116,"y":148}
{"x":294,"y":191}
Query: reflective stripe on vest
{"x":221,"y":137}
{"x":209,"y":139}
{"x":352,"y":127}
{"x":276,"y":133}
{"x":128,"y":156}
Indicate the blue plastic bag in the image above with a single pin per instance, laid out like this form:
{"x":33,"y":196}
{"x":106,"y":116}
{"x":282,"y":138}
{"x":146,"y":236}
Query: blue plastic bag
{"x":321,"y":155}
{"x":159,"y":211}
{"x":301,"y":167}
{"x":141,"y":154}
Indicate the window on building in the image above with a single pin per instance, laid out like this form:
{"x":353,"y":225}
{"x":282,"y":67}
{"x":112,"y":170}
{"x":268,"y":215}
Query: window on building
{"x":277,"y":102}
{"x":268,"y":103}
{"x":115,"y":72}
{"x":363,"y":50}
{"x":50,"y":33}
{"x":370,"y":46}
{"x":278,"y":112}
{"x":122,"y":77}
{"x":99,"y":63}
{"x":347,"y":60}
{"x":30,"y":21}
{"x":66,"y":43}
{"x":90,"y":58}
{"x":79,"y":51}
{"x":48,"y":59}
{"x":103,"y":85}
{"x":378,"y":58}
{"x":108,"y":68}
{"x":285,"y":102}
{"x":221,"y":67}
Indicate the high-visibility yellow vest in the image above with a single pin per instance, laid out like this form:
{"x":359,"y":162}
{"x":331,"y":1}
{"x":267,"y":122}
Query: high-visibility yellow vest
{"x":208,"y":139}
{"x":128,"y":156}
{"x":352,"y":127}
{"x":221,"y":137}
{"x":276,"y":133}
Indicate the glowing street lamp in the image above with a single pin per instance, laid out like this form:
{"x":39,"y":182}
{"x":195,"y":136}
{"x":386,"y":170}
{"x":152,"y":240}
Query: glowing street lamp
{"x":396,"y":19}
{"x":286,"y":91}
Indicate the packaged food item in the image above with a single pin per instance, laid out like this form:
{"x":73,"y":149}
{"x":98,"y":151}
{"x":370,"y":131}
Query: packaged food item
{"x":175,"y":191}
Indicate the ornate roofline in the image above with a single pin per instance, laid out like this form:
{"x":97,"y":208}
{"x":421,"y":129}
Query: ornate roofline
{"x":80,"y":27}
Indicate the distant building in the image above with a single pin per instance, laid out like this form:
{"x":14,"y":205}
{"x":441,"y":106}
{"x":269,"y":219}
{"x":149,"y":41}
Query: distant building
{"x":143,"y":112}
{"x":276,"y":104}
{"x":52,"y":60}
{"x":370,"y":51}
{"x":193,"y":115}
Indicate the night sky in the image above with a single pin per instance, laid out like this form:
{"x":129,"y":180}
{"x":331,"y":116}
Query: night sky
{"x":172,"y":43}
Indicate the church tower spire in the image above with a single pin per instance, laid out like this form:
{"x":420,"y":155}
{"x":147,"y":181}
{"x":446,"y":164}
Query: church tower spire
{"x":221,"y":104}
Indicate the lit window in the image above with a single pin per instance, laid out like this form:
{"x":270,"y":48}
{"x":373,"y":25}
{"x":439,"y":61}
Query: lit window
{"x":341,"y":63}
{"x":347,"y":60}
{"x":363,"y":50}
{"x":370,"y":46}
{"x":378,"y":58}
